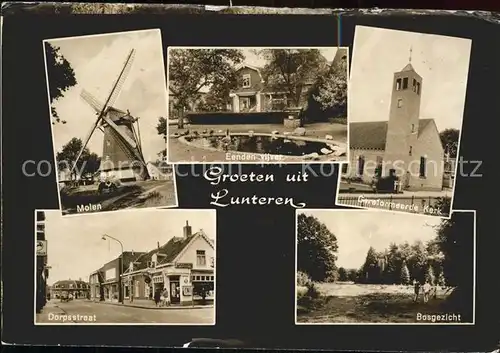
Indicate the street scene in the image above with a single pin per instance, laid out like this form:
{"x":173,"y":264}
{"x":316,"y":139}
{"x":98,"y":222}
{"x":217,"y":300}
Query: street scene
{"x":107,"y":96}
{"x":105,"y":269}
{"x":251,"y":105}
{"x":101,"y":313}
{"x":403,"y":153}
{"x":371,"y":267}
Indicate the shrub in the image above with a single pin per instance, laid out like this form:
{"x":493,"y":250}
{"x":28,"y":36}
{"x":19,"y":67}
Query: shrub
{"x":303,"y":279}
{"x":312,"y":291}
{"x":338,"y":120}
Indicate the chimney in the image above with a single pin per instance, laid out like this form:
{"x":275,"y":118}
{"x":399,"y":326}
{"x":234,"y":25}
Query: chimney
{"x":187,"y":230}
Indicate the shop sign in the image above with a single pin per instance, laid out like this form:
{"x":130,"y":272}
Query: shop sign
{"x":184,"y":265}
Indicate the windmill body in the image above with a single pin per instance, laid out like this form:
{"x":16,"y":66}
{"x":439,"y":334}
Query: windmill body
{"x":122,"y":157}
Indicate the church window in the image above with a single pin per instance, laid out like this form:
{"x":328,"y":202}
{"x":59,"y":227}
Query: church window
{"x":405,"y":83}
{"x":414,"y":85}
{"x":361,"y":165}
{"x":398,"y":84}
{"x":422,"y":167}
{"x":412,"y":128}
{"x":400,"y":103}
{"x":418,"y":87}
{"x":411,"y":147}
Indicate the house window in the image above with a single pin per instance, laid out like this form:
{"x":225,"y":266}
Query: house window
{"x":201,"y":259}
{"x":400,"y":103}
{"x":361,"y":165}
{"x":212,"y":262}
{"x":398,"y":84}
{"x":246,"y":81}
{"x":410,"y":150}
{"x":418,"y":87}
{"x":422,"y":167}
{"x":405,"y":83}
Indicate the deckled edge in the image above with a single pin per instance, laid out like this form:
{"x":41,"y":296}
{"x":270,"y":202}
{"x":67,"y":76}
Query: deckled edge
{"x":10,"y":8}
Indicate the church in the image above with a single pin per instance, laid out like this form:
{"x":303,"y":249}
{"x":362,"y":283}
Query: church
{"x":405,"y":145}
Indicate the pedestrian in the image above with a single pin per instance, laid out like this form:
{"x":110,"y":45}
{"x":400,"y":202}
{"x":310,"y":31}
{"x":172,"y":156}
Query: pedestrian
{"x":416,"y":288}
{"x":427,"y":290}
{"x":157,"y":297}
{"x":166,"y":299}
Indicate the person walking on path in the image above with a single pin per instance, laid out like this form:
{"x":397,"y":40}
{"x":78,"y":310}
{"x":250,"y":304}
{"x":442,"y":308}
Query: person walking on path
{"x":157,"y":297}
{"x":427,"y":290}
{"x":166,"y":299}
{"x":416,"y":288}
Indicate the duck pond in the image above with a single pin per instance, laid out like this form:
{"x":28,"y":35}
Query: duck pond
{"x":263,"y":144}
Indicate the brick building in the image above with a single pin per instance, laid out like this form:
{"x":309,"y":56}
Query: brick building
{"x":78,"y":289}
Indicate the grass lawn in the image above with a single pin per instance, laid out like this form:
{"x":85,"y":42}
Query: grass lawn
{"x":357,"y":303}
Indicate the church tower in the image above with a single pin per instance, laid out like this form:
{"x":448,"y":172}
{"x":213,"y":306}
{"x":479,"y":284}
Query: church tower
{"x":402,"y":129}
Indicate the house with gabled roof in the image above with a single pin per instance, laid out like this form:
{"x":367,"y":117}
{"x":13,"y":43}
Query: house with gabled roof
{"x":405,"y":146}
{"x":184,"y":266}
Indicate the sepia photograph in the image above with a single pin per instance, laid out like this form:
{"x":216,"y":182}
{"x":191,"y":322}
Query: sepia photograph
{"x":108,"y":101}
{"x":108,"y":269}
{"x":406,"y":107}
{"x":257,"y":105}
{"x":371,"y":267}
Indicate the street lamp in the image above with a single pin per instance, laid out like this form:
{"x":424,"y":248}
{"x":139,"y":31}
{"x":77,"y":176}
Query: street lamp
{"x":120,"y":289}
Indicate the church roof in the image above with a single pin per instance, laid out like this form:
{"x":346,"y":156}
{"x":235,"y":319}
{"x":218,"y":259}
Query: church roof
{"x":372,"y":134}
{"x":408,"y":67}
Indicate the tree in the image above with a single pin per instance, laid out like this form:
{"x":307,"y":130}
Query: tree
{"x":352,"y":275}
{"x":292,"y":70}
{"x":60,"y":74}
{"x":441,"y":281}
{"x":342,"y":274}
{"x":449,"y":140}
{"x":391,"y":273}
{"x":456,"y":241}
{"x":87,"y":163}
{"x":404,"y":274}
{"x":331,"y":92}
{"x":191,"y":70}
{"x":217,"y":97}
{"x":417,"y":260}
{"x":316,"y":249}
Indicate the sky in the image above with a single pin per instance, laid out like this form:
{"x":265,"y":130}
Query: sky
{"x":75,"y":247}
{"x":97,"y":61}
{"x":254,"y":60}
{"x":357,"y":230}
{"x":442,"y":62}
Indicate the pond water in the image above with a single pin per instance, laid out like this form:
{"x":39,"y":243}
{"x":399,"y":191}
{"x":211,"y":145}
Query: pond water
{"x":261,"y":144}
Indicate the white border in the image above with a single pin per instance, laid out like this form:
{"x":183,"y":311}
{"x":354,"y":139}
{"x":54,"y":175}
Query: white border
{"x":214,"y":308}
{"x":297,"y":212}
{"x":52,"y":128}
{"x":456,"y":178}
{"x":258,"y":160}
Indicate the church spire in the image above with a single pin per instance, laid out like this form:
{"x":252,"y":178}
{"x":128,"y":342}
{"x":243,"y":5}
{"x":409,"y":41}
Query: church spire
{"x":411,"y":50}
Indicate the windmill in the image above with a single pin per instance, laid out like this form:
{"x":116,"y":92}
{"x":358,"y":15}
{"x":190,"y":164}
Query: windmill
{"x":122,"y":157}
